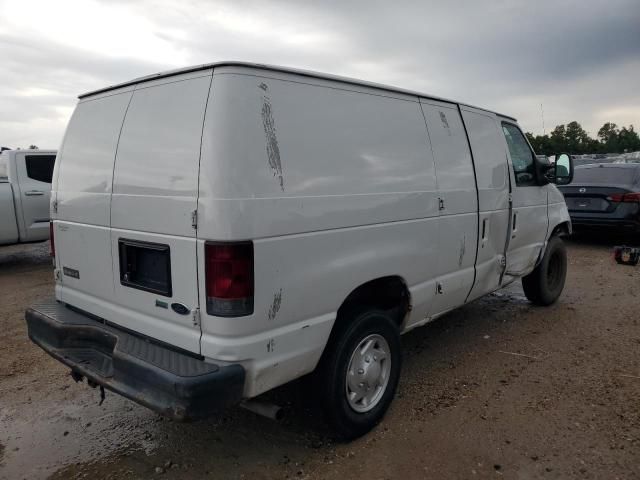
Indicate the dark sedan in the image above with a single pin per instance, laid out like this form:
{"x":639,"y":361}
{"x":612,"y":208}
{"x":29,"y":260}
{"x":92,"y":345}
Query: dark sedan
{"x":604,"y":195}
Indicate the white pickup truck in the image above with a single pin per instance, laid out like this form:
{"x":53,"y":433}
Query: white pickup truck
{"x":25,"y":190}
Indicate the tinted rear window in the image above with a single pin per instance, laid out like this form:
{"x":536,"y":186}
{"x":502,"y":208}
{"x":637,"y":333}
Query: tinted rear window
{"x":606,"y":175}
{"x":40,"y":167}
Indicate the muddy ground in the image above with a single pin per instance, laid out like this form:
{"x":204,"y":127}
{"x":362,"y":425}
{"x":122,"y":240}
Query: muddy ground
{"x":498,"y":388}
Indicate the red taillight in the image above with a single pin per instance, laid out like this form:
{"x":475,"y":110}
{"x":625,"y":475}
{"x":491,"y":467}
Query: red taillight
{"x":52,"y":247}
{"x":632,"y":197}
{"x":625,"y":197}
{"x":229,"y":278}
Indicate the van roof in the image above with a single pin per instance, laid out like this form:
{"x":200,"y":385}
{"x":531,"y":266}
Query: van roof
{"x":276,"y":68}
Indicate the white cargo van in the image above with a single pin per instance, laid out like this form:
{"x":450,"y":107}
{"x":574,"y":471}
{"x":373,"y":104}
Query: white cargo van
{"x":224,"y":229}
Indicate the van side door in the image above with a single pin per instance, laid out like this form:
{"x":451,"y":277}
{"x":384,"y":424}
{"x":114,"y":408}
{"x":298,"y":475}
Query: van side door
{"x":35,"y":171}
{"x":529,"y":222}
{"x":458,"y":205}
{"x":492,"y":177}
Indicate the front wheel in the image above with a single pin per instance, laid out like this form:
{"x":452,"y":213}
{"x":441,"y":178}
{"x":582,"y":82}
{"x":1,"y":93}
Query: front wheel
{"x":359,"y":372}
{"x":544,"y":285}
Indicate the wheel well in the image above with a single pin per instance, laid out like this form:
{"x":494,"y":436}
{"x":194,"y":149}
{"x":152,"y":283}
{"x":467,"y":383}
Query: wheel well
{"x":386,"y":293}
{"x":562,"y":229}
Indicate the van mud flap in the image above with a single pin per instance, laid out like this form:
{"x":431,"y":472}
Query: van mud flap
{"x":174,"y":383}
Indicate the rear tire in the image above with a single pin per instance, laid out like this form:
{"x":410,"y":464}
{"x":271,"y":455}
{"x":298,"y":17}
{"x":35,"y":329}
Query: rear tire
{"x":359,"y":372}
{"x":544,"y":285}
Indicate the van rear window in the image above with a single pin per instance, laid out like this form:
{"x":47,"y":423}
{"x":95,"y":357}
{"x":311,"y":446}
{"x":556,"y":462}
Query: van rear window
{"x":40,"y":167}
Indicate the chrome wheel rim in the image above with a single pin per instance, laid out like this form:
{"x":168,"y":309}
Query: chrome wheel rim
{"x":368,"y":373}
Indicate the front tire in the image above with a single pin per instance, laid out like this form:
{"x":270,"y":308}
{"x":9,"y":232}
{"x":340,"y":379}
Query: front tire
{"x":544,"y":285}
{"x":359,"y":372}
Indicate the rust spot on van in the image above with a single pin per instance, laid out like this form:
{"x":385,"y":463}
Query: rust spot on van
{"x":273,"y":149}
{"x":275,"y":306}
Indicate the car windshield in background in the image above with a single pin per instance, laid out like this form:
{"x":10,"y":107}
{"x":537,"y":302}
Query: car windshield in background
{"x":606,"y":175}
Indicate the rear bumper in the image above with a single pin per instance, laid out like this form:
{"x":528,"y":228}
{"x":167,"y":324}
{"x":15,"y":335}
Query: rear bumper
{"x":171,"y":382}
{"x":622,"y":223}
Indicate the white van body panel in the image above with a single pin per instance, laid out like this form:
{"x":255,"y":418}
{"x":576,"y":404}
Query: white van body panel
{"x":350,"y":209}
{"x":458,"y":219}
{"x":83,"y":181}
{"x":335,"y":183}
{"x":490,"y":159}
{"x":529,"y":218}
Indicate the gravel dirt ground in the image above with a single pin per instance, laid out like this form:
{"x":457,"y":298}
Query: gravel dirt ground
{"x":498,"y":388}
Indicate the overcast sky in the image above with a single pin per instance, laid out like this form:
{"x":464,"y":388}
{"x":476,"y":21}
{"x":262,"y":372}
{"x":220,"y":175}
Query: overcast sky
{"x":579,"y":58}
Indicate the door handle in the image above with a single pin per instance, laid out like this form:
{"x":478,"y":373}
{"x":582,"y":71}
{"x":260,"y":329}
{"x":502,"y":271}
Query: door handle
{"x":34,"y":193}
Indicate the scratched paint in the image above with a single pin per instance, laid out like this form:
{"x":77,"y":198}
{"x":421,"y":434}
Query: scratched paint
{"x":269,"y":124}
{"x":445,"y":123}
{"x":275,"y":305}
{"x":463,"y":248}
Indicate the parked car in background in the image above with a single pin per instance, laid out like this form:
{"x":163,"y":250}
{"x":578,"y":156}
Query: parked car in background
{"x":605,"y":195}
{"x":300,"y":226}
{"x":25,"y":190}
{"x":633,"y":157}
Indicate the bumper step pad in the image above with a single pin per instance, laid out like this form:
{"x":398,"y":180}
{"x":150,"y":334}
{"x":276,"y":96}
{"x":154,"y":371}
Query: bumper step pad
{"x":174,"y":383}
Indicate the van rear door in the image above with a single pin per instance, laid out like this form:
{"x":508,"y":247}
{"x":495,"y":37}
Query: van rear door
{"x":153,"y":210}
{"x":82,"y":193}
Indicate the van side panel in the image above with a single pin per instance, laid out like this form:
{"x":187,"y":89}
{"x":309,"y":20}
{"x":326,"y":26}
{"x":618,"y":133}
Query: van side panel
{"x":490,"y":158}
{"x":458,"y":222}
{"x":85,"y":168}
{"x":335,"y":186}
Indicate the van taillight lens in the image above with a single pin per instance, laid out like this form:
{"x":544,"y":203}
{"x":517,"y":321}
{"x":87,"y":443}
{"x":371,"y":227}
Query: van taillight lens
{"x":625,"y":197}
{"x":52,"y":242}
{"x":229,"y":278}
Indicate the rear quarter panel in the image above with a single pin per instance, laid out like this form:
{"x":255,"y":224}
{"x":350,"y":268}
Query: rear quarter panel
{"x":335,"y":185}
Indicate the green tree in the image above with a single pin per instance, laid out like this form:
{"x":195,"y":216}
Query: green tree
{"x":557,"y":139}
{"x":540,"y":143}
{"x":576,"y":138}
{"x":608,"y":135}
{"x":628,"y":140}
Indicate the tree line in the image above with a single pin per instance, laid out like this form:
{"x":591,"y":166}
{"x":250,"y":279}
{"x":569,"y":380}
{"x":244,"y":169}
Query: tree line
{"x":572,"y":138}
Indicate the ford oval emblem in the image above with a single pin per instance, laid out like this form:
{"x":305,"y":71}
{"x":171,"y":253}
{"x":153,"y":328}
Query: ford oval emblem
{"x":179,"y":308}
{"x":582,"y":190}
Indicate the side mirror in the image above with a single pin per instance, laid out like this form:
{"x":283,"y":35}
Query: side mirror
{"x":563,"y":171}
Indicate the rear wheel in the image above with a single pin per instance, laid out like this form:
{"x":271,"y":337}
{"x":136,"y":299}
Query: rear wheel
{"x":544,"y":285}
{"x":359,"y":372}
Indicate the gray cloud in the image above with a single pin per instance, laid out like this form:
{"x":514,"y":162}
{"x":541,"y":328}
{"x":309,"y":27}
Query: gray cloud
{"x":580,"y":59}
